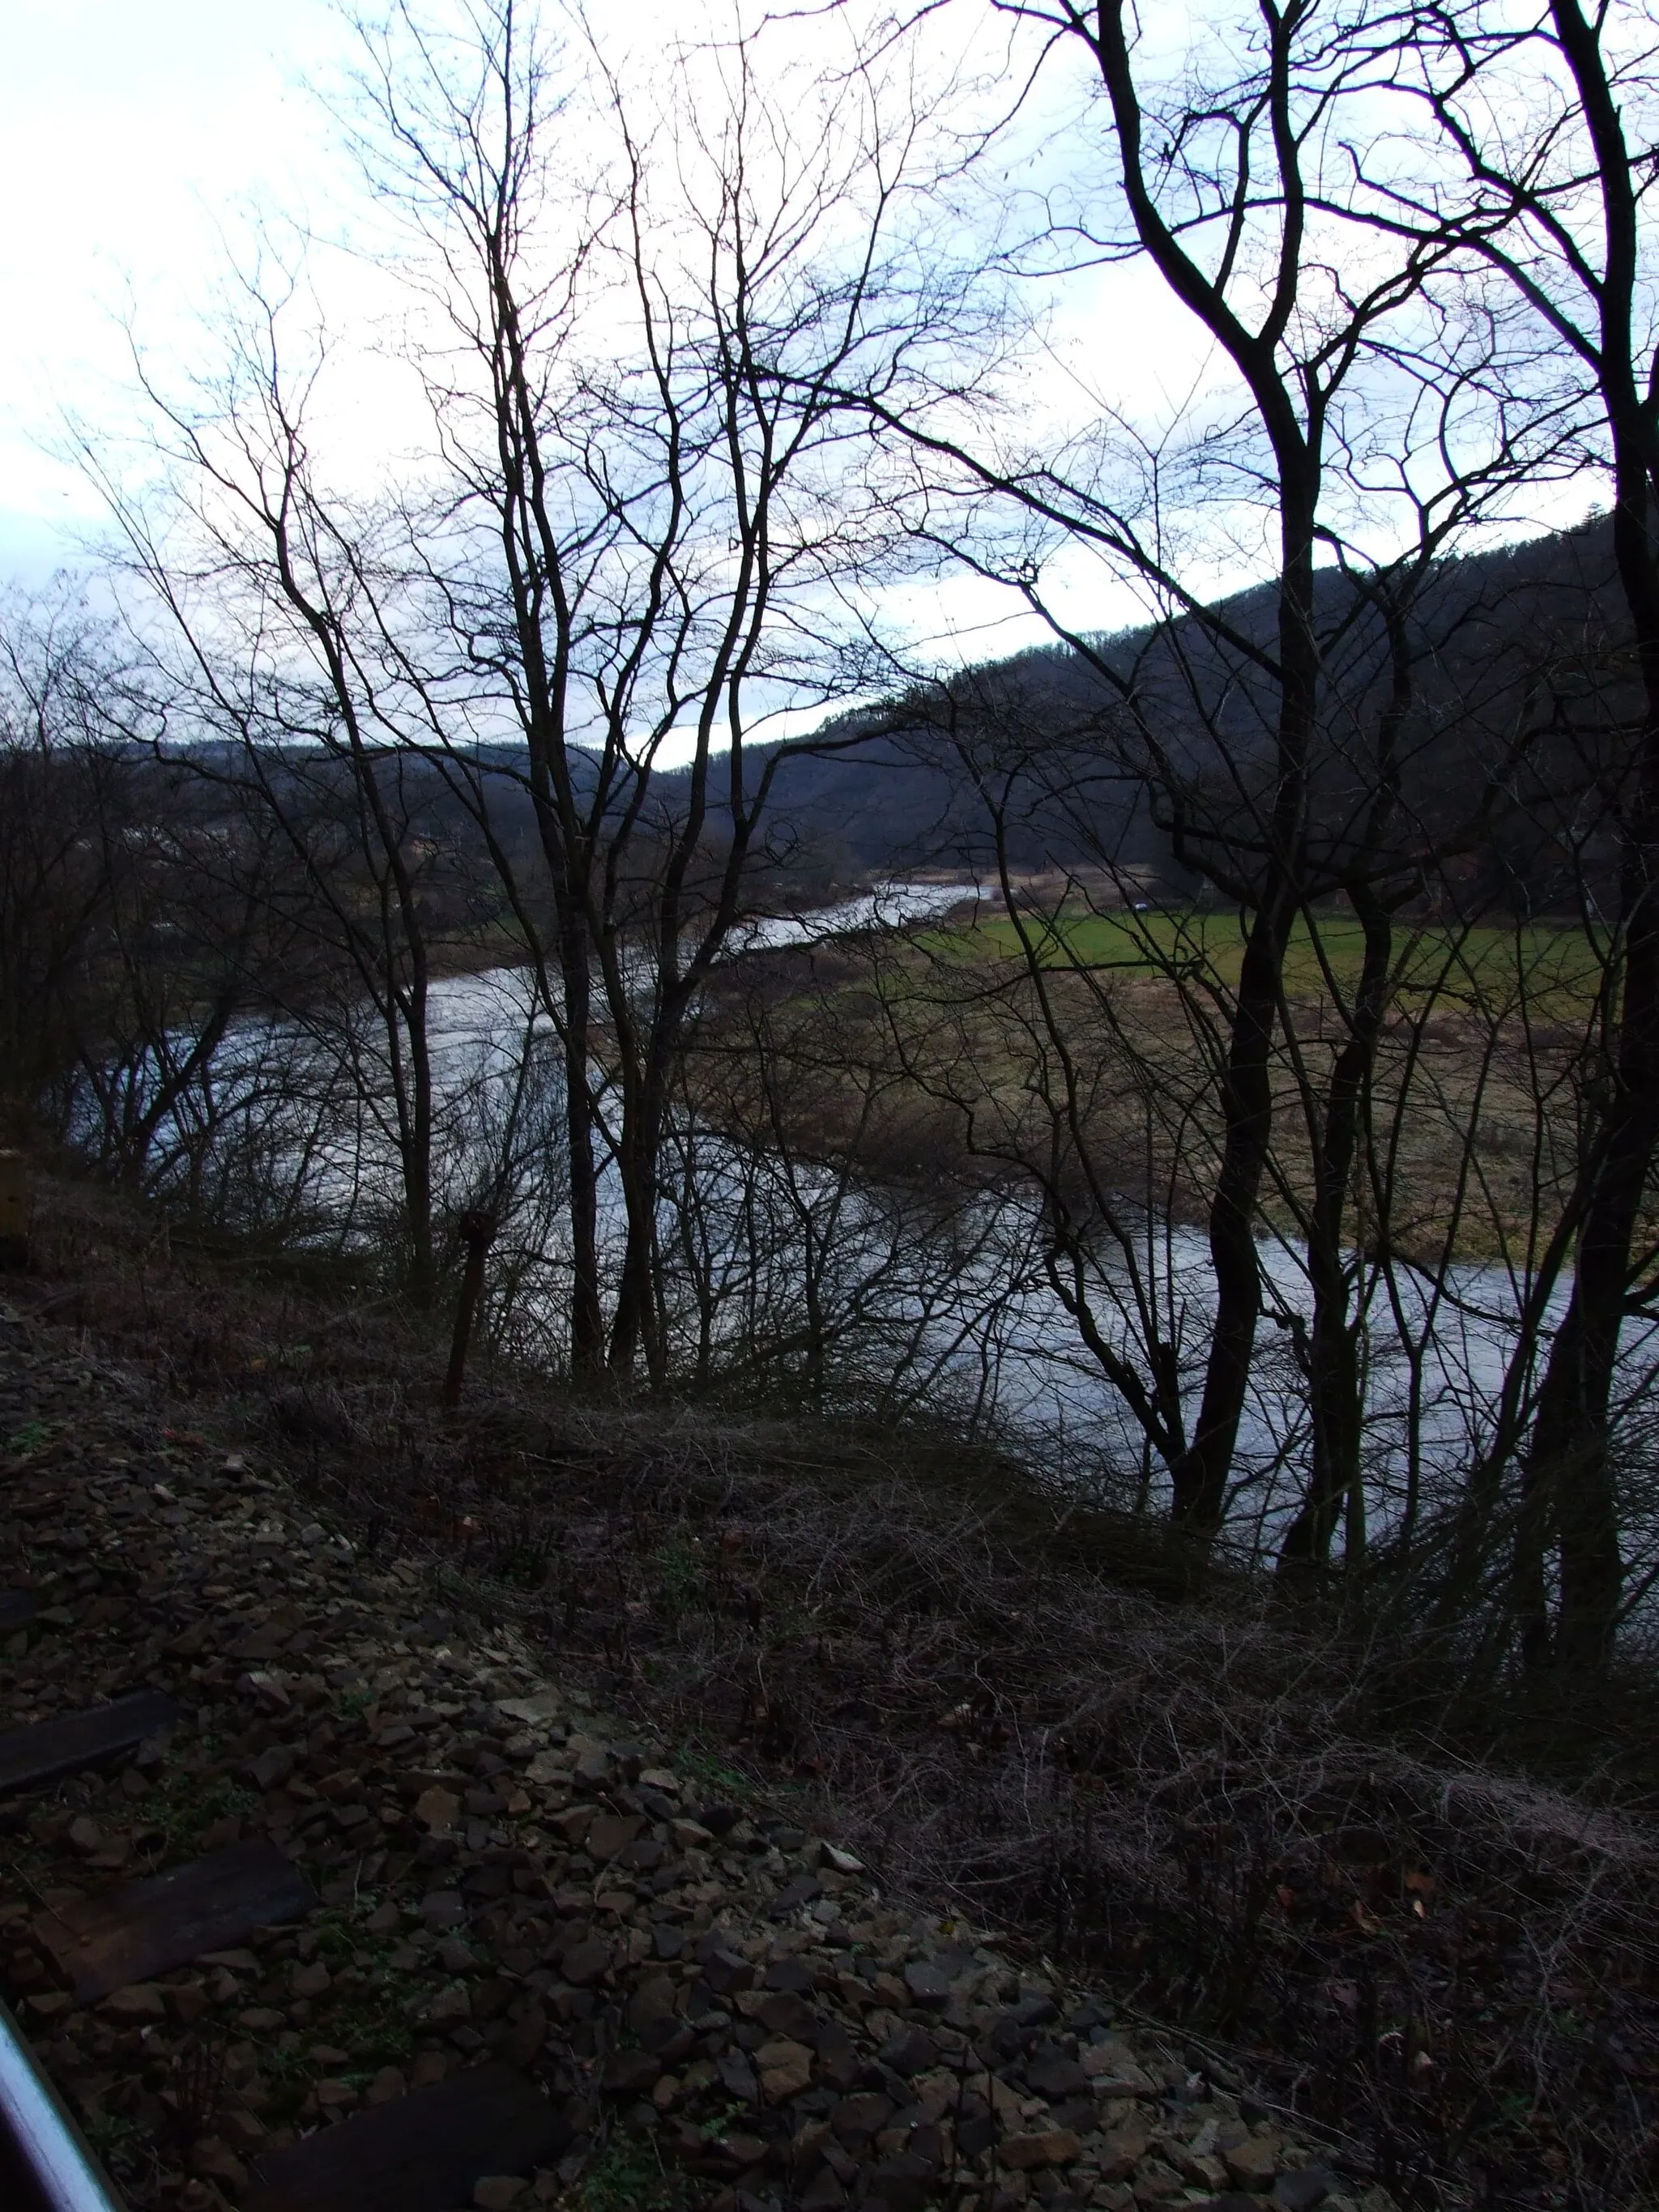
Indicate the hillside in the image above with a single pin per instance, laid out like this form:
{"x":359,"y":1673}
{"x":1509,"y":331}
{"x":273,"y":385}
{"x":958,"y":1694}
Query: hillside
{"x":1155,"y":1913}
{"x":1526,"y":635}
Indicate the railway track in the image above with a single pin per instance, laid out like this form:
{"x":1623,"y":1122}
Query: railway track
{"x":423,"y":2154}
{"x":45,"y":2163}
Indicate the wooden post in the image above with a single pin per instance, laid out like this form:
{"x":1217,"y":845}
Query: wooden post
{"x":476,"y":1230}
{"x":14,"y":1212}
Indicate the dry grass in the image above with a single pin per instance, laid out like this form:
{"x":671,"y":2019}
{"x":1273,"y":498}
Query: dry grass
{"x":1001,"y":1701}
{"x":894,"y":1056}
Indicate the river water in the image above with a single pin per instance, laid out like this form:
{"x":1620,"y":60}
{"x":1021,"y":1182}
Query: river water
{"x":912,"y":1305}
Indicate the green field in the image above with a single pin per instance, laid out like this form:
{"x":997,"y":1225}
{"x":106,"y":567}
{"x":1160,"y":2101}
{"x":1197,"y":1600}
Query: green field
{"x":1552,"y":967}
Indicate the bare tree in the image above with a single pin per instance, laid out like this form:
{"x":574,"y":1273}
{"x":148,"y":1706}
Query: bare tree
{"x":1372,"y":396}
{"x":1541,"y":160}
{"x":642,"y":542}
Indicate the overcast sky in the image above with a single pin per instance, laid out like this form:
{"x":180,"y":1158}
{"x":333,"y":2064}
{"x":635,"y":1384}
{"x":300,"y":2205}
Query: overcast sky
{"x":131,"y":130}
{"x":128,"y":129}
{"x":133,"y":134}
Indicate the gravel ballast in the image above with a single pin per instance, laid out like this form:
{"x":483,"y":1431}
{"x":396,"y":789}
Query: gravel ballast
{"x":724,"y":2008}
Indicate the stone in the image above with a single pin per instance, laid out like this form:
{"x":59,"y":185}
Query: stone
{"x":902,"y":2181}
{"x":387,"y":2087}
{"x":609,"y":1832}
{"x":738,"y":2077}
{"x":910,"y":2051}
{"x":856,"y":2119}
{"x":1252,"y":2163}
{"x":536,"y":1711}
{"x":437,"y":1808}
{"x":786,"y":2014}
{"x":1055,"y":2078}
{"x":724,"y":1970}
{"x":1201,"y":2169}
{"x":927,"y":1984}
{"x":1026,"y":2153}
{"x":213,"y":2160}
{"x":1300,"y":2193}
{"x":784,"y":2069}
{"x":839,"y":2061}
{"x":728,"y":1980}
{"x":651,"y":2002}
{"x":449,"y":2006}
{"x":1122,"y":2149}
{"x":631,"y":2073}
{"x":138,"y":2001}
{"x":586,"y":1962}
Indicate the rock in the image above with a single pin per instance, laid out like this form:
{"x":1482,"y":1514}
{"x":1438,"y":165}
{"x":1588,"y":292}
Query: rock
{"x":838,"y":2056}
{"x":784,"y":2070}
{"x":1026,"y":2153}
{"x":786,"y":2014}
{"x":856,"y":2119}
{"x":631,"y":2073}
{"x":136,"y":2001}
{"x":1252,"y":2163}
{"x":1156,"y":2183}
{"x":387,"y":2087}
{"x":1122,"y":2149}
{"x":729,"y":1979}
{"x":1055,"y":2078}
{"x":437,"y":1808}
{"x":586,"y":1962}
{"x":535,"y":1711}
{"x":1199,"y":2169}
{"x":904,"y":2182}
{"x":214,"y":2160}
{"x":738,"y":2077}
{"x":609,"y":1832}
{"x":653,"y":2003}
{"x":724,"y":1970}
{"x":927,"y":1984}
{"x":1300,"y":2193}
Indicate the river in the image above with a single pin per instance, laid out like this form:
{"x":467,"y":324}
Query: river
{"x":915,"y":1305}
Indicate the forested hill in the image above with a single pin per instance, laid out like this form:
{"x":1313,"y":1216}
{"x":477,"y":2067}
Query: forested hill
{"x":1041,"y":747}
{"x":1530,"y":634}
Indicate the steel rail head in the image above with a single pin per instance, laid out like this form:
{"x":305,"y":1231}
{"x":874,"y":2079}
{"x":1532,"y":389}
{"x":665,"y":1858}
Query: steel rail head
{"x":45,"y":2163}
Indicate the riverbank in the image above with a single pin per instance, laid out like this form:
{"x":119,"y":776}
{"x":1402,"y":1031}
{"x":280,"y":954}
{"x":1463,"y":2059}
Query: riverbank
{"x":1433,"y":1976}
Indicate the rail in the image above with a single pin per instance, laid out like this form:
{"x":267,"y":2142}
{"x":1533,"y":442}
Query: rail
{"x":45,"y":2164}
